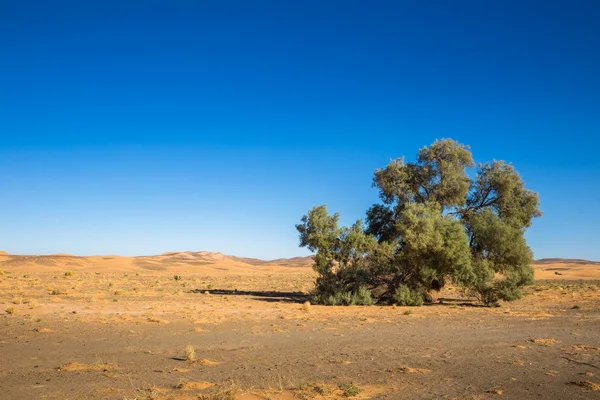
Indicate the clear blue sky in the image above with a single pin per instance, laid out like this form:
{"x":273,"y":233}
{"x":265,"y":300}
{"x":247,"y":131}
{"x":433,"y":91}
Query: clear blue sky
{"x":138,"y":127}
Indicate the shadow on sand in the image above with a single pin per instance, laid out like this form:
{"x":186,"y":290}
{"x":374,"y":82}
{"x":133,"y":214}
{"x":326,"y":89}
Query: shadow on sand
{"x":273,"y":297}
{"x":299,"y":297}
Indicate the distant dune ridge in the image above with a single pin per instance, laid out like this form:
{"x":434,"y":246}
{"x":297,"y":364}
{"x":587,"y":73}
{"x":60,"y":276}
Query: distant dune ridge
{"x":575,"y":261}
{"x":211,"y":262}
{"x":218,"y":263}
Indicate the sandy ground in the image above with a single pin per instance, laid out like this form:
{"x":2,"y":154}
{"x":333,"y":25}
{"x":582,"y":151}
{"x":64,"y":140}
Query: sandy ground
{"x":106,"y":329}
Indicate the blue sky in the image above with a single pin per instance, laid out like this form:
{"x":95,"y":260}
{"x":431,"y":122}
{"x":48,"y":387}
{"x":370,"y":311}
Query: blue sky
{"x":138,"y":127}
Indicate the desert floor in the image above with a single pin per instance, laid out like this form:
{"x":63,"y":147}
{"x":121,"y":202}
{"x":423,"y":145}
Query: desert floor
{"x":96,"y":333}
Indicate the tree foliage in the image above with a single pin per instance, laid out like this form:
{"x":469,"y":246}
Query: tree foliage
{"x":435,"y":225}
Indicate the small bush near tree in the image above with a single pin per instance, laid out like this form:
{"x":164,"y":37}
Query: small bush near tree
{"x":435,"y":225}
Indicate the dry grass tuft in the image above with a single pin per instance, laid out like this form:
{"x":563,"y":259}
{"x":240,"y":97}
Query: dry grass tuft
{"x":17,"y":300}
{"x":190,"y":353}
{"x":9,"y":310}
{"x":349,"y":389}
{"x":306,"y":306}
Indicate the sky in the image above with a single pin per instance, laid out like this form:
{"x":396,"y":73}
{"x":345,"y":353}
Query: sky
{"x":139,"y":127}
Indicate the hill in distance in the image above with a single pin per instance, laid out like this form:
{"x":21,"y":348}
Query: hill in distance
{"x":218,"y":263}
{"x":201,"y":260}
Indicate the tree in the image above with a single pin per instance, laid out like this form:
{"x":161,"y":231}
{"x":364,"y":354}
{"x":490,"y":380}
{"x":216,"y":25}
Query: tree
{"x":435,"y":225}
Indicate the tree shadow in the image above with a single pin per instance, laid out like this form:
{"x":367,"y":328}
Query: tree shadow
{"x":444,"y":301}
{"x":268,"y":296}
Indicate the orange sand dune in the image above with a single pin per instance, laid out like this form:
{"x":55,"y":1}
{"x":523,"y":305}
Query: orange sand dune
{"x":564,"y":269}
{"x":204,"y":262}
{"x":219,"y":264}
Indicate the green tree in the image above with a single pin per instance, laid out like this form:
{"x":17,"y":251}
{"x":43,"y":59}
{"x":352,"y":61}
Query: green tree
{"x":435,"y":225}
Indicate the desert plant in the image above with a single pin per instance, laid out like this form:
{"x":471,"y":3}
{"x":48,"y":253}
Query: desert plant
{"x":190,"y":353}
{"x":406,"y":297}
{"x":9,"y":310}
{"x":306,"y":306}
{"x":349,"y":389}
{"x":436,"y":225}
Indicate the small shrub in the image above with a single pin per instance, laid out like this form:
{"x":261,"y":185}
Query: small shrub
{"x":69,"y":273}
{"x":575,"y":307}
{"x":321,"y":390}
{"x":364,"y":297}
{"x":306,"y":306}
{"x":349,"y":389}
{"x":177,"y":277}
{"x":17,"y":300}
{"x":408,"y":312}
{"x":9,"y":310}
{"x":190,"y":353}
{"x":119,"y":292}
{"x":361,"y":297}
{"x":406,"y":297}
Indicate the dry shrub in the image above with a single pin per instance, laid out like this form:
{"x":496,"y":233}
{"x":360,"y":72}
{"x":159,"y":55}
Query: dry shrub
{"x":306,"y":306}
{"x":190,"y":353}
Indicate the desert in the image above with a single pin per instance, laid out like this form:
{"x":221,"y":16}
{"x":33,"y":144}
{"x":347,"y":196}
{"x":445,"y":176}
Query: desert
{"x":201,"y":325}
{"x":299,"y":200}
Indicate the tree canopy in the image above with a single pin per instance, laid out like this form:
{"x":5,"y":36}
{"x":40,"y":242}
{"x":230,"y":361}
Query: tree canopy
{"x":435,"y":225}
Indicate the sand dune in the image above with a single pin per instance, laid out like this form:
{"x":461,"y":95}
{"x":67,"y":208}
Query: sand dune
{"x":218,"y":263}
{"x":203,"y":261}
{"x":567,"y":269}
